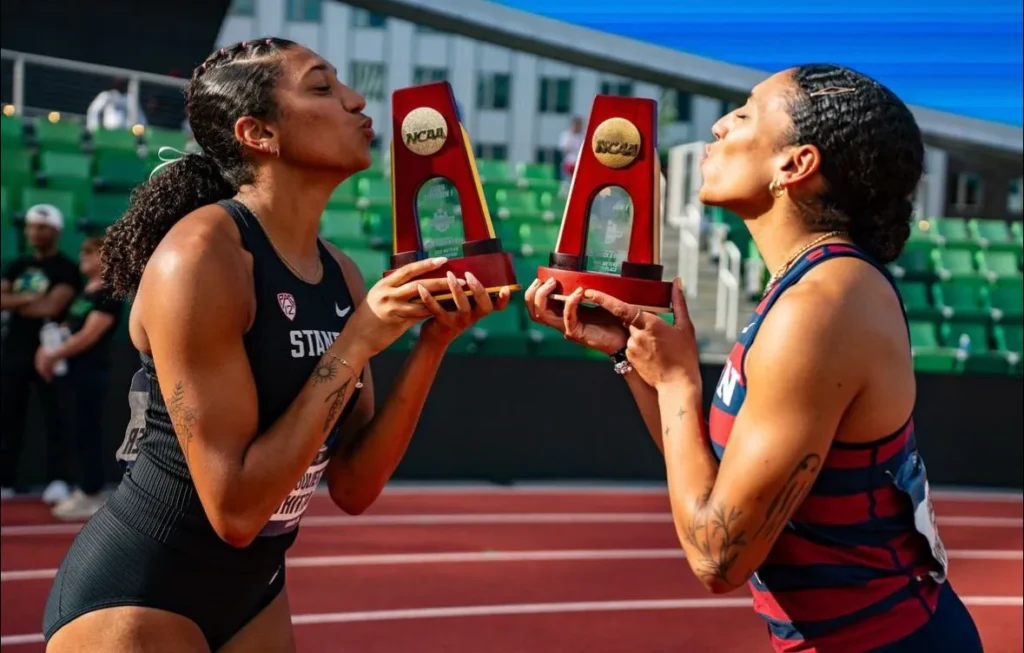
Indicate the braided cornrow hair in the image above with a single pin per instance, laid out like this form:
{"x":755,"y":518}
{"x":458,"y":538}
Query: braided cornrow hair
{"x":234,"y":81}
{"x":872,"y":155}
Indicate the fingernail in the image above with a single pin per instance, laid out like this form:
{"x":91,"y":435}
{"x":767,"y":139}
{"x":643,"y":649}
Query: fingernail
{"x":578,"y":291}
{"x":451,"y":276}
{"x":440,"y":260}
{"x":550,"y":282}
{"x":470,"y":277}
{"x":679,"y":283}
{"x":589,"y":294}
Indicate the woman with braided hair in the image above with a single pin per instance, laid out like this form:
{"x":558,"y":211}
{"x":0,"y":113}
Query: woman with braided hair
{"x":254,"y":337}
{"x":806,"y":484}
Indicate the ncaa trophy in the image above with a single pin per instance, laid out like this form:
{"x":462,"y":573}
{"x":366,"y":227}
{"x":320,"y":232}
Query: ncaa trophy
{"x":619,"y":153}
{"x":432,"y":164}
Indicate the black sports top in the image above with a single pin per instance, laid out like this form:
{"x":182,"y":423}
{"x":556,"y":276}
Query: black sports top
{"x":295,"y":324}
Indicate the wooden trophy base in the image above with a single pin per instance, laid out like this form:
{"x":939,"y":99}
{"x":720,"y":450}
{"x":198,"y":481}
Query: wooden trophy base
{"x":484,"y":259}
{"x":646,"y":294}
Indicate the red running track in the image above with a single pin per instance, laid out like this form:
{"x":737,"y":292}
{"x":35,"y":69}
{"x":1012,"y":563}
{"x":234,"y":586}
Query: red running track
{"x":513,"y":571}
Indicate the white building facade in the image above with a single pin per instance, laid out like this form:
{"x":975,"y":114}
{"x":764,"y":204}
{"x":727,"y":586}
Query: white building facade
{"x":515,"y":105}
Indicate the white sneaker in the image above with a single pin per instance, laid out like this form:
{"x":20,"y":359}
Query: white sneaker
{"x":56,"y":492}
{"x":77,"y":507}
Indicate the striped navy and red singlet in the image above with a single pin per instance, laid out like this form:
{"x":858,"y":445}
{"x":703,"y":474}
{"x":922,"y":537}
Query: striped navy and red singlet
{"x":860,"y":564}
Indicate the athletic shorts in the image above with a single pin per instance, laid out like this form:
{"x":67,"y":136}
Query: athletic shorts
{"x":111,"y":564}
{"x":950,"y":630}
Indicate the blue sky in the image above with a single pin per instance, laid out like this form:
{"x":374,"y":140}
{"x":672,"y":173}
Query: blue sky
{"x":961,"y":57}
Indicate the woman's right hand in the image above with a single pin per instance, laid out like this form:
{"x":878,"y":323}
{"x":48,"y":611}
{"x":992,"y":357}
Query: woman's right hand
{"x":387,"y":311}
{"x":595,"y":327}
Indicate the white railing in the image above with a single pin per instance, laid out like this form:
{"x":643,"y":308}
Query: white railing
{"x":727,"y":307}
{"x":68,"y":86}
{"x":689,"y":249}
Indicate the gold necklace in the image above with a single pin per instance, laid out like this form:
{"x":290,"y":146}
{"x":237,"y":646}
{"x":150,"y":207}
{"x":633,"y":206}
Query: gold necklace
{"x":319,"y":262}
{"x":775,"y":278}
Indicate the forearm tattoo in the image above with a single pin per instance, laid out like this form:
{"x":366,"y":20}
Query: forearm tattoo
{"x":183,"y":417}
{"x":336,"y":401}
{"x":324,"y":371}
{"x":715,"y":530}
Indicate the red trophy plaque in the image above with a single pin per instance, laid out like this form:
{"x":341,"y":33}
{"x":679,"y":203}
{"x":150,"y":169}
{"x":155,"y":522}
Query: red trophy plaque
{"x":431,"y":145}
{"x":621,"y":151}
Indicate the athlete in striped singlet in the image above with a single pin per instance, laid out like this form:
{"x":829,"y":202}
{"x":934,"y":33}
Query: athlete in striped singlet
{"x":807,"y":483}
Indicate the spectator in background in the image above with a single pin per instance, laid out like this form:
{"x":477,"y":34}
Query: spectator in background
{"x":109,"y":110}
{"x":91,"y":320}
{"x":570,"y":144}
{"x":36,"y":288}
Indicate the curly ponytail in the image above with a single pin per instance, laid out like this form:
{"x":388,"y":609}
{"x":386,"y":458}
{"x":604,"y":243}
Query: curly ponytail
{"x":233,"y":82}
{"x":872,"y":155}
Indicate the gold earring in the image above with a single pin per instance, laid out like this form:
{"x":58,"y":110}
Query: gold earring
{"x":776,"y":189}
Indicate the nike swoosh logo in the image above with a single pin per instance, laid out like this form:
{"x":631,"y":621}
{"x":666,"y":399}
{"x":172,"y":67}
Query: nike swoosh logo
{"x":342,"y":312}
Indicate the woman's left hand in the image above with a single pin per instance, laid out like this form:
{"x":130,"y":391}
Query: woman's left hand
{"x":445,"y":326}
{"x":664,"y":355}
{"x":45,"y":364}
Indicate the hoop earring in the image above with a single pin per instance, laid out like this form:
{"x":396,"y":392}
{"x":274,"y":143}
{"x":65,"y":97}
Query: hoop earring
{"x":776,"y":189}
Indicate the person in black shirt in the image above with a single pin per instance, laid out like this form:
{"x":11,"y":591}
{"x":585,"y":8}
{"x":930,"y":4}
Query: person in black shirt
{"x":91,"y":320}
{"x":36,"y":288}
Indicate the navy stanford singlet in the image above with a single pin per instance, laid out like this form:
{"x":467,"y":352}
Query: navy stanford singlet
{"x":295,"y":323}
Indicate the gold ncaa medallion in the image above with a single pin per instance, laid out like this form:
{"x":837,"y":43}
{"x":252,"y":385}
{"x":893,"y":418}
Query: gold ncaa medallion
{"x":616,"y":142}
{"x":424,"y":131}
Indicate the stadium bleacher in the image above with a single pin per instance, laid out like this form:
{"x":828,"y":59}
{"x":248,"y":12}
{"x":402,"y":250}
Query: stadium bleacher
{"x":961,"y":280}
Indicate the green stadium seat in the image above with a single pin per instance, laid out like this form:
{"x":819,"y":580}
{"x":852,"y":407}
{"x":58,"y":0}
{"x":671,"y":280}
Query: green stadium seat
{"x":922,"y":231}
{"x":917,"y":300}
{"x":343,"y":228}
{"x":104,"y":209}
{"x":523,"y":203}
{"x":62,"y":199}
{"x":538,"y":176}
{"x":508,"y":233}
{"x":372,"y":263}
{"x":16,"y":168}
{"x":1006,"y":300}
{"x":373,"y":192}
{"x":6,"y":208}
{"x":953,"y":262}
{"x":999,"y":264}
{"x":953,"y":232}
{"x":10,"y":243}
{"x":71,"y":239}
{"x":120,"y":169}
{"x":377,"y":225}
{"x":493,"y":171}
{"x":114,"y":140}
{"x":526,"y":268}
{"x":157,"y":137}
{"x":345,"y":196}
{"x":1011,"y":338}
{"x":962,"y":299}
{"x":930,"y":355}
{"x":980,"y":357}
{"x":552,"y":206}
{"x":915,"y":263}
{"x":538,"y":238}
{"x":61,"y":136}
{"x":12,"y":132}
{"x":1017,"y":233}
{"x":68,"y":171}
{"x":991,"y":234}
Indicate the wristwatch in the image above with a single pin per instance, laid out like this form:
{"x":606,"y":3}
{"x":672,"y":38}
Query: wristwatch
{"x":621,"y":363}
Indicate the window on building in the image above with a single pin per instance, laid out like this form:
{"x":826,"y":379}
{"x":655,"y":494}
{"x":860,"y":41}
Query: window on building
{"x":549,"y":155}
{"x":1015,"y":198}
{"x":242,"y":8}
{"x":424,"y":29}
{"x":555,"y":95}
{"x":491,"y":151}
{"x":492,"y":91}
{"x":364,"y":18}
{"x":369,"y":78}
{"x":618,"y":89}
{"x":675,"y":105}
{"x":424,"y":75}
{"x":303,"y":10}
{"x":968,"y":192}
{"x":728,"y":106}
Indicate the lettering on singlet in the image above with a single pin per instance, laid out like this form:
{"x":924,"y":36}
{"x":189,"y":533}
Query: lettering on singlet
{"x":727,"y":383}
{"x":912,"y":479}
{"x":308,"y":343}
{"x":288,"y":515}
{"x":138,"y":398}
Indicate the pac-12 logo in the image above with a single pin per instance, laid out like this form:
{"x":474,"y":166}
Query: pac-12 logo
{"x":287,"y":304}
